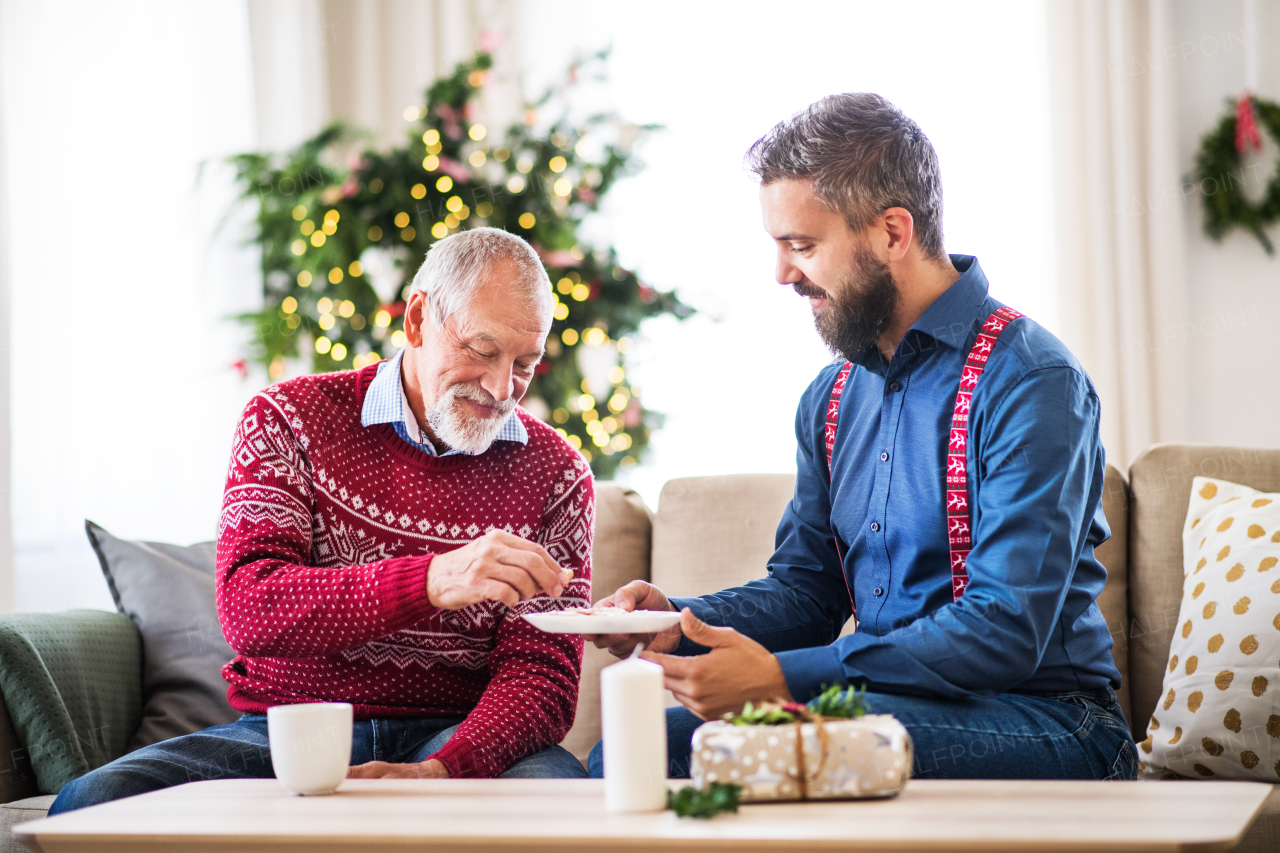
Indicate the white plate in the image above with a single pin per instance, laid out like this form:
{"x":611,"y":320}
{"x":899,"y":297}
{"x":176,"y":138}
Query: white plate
{"x":635,"y":622}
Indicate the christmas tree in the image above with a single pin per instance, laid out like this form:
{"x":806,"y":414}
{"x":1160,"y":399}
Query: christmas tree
{"x":343,"y":226}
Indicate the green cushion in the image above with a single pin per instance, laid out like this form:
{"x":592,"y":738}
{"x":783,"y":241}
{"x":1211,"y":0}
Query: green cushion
{"x":72,"y":682}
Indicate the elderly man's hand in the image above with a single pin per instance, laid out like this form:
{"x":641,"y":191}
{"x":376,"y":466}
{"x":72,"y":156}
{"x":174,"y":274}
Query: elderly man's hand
{"x":429,"y":769}
{"x":496,"y":567}
{"x":637,"y":595}
{"x":736,"y":671}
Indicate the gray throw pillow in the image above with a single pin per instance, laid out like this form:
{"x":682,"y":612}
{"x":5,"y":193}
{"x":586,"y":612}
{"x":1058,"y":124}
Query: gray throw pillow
{"x":167,"y":590}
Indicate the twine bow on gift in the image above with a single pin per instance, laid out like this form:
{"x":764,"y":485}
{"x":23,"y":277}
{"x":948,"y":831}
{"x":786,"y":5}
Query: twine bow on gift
{"x":804,"y":714}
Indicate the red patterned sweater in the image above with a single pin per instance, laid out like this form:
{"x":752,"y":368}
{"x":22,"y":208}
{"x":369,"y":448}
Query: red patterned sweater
{"x":325,"y":541}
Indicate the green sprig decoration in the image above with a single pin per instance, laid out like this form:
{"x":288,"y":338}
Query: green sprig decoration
{"x":834,"y":702}
{"x":691,"y":802}
{"x":1219,"y":174}
{"x":764,"y":714}
{"x":342,"y":227}
{"x":840,"y":702}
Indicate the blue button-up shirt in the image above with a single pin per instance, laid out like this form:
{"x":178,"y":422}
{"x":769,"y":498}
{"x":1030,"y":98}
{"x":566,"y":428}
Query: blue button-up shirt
{"x":1029,"y":619}
{"x":386,"y":403}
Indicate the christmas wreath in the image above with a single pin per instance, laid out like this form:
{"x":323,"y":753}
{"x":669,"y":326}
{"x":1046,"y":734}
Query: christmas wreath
{"x":343,"y":226}
{"x":1220,"y":172}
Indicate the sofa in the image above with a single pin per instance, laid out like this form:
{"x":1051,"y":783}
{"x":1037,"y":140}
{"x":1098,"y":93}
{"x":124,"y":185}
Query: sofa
{"x":714,"y":532}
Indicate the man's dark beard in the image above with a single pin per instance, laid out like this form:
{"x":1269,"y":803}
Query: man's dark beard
{"x":860,"y":311}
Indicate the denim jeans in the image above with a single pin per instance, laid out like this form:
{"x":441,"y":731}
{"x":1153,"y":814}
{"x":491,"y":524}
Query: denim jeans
{"x":240,"y":750}
{"x":1071,"y":735}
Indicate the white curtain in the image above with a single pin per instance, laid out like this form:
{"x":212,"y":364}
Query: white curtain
{"x":1120,"y":208}
{"x":366,"y":61}
{"x":124,"y":272}
{"x":123,"y":268}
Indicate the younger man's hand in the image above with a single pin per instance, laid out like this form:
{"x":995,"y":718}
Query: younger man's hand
{"x":737,"y":670}
{"x":637,"y":595}
{"x":496,"y":567}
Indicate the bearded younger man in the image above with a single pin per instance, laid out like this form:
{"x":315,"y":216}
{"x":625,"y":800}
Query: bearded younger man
{"x":382,"y":533}
{"x":961,"y":505}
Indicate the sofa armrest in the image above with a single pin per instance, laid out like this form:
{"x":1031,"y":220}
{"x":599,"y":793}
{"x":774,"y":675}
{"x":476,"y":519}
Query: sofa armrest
{"x":17,"y":779}
{"x":71,"y":684}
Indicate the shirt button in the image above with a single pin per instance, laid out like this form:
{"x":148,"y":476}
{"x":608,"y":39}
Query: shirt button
{"x":875,"y":526}
{"x":878,"y":591}
{"x":895,"y":387}
{"x":884,"y":457}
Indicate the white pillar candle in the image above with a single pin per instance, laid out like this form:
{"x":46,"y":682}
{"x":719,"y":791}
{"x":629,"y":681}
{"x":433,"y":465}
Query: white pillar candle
{"x":633,"y":723}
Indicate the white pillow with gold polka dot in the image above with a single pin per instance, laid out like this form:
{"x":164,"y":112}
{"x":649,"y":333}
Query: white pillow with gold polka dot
{"x":1220,"y":712}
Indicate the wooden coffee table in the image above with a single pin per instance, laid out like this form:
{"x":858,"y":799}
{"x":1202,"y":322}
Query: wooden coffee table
{"x":546,"y":815}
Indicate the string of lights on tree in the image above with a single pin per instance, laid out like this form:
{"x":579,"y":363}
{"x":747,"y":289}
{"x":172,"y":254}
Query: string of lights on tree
{"x":342,"y":227}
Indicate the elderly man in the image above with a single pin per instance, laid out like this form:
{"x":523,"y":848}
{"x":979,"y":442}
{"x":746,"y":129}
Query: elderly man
{"x":382,"y":533}
{"x":948,"y":488}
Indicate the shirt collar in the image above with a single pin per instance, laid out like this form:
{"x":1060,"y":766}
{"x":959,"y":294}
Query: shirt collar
{"x":948,"y":320}
{"x":386,"y":403}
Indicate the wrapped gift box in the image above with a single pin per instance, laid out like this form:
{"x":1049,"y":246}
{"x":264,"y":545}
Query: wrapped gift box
{"x":840,"y":758}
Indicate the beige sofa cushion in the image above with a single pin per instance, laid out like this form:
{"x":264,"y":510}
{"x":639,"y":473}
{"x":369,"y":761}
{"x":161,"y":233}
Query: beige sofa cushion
{"x":1114,"y":601}
{"x":712,"y":533}
{"x":1160,"y":487}
{"x":619,"y":555}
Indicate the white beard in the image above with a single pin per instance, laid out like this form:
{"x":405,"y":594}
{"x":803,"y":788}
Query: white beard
{"x":462,"y":431}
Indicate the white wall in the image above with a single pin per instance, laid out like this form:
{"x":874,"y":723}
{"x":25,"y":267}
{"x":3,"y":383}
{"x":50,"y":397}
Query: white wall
{"x":123,"y":396}
{"x":973,"y":75}
{"x":1233,"y":320}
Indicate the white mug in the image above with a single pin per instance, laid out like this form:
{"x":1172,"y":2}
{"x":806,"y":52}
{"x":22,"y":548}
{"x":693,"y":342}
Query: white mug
{"x":310,"y":746}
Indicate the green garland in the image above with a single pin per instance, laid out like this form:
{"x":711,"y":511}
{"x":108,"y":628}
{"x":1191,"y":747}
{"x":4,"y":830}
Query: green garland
{"x":1219,"y":173}
{"x":336,"y":218}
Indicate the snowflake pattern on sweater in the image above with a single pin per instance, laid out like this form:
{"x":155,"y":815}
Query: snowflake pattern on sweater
{"x":324,"y":544}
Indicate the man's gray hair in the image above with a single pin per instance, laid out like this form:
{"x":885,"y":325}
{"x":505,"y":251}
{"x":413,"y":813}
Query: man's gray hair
{"x":459,"y":265}
{"x":864,"y":156}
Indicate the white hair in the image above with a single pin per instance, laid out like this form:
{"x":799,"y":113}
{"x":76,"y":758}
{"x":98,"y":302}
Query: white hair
{"x":457,"y":266}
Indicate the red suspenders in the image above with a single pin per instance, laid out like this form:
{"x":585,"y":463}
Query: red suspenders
{"x":829,"y":438}
{"x":959,"y":519}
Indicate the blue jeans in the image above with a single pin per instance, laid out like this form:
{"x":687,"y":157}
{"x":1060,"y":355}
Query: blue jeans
{"x":1072,"y":735}
{"x":240,"y":750}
